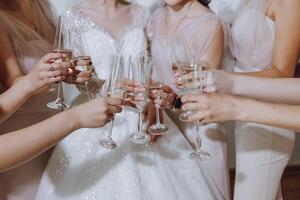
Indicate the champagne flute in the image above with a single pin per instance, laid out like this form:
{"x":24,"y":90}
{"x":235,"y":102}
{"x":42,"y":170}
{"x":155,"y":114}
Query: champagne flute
{"x":82,"y":68}
{"x":141,"y":69}
{"x":184,"y":63}
{"x":184,"y":69}
{"x":59,"y":44}
{"x":158,"y":128}
{"x":195,"y":86}
{"x":182,"y":58}
{"x":115,"y":90}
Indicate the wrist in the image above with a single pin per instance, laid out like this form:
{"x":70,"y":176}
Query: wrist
{"x":25,"y":87}
{"x":238,"y":109}
{"x":244,"y":109}
{"x":28,"y":86}
{"x":75,"y":122}
{"x":235,"y":79}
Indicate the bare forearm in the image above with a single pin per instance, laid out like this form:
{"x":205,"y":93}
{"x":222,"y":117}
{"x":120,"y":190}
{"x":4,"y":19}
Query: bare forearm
{"x":271,"y":73}
{"x":278,"y":90}
{"x":279,"y":115}
{"x":13,"y":99}
{"x":19,"y":146}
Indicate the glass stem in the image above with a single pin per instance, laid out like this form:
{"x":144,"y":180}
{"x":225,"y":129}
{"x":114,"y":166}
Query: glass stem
{"x":111,"y":126}
{"x":61,"y":96}
{"x":157,"y":115}
{"x":198,"y":143}
{"x":88,"y":90}
{"x":140,"y":123}
{"x":59,"y":91}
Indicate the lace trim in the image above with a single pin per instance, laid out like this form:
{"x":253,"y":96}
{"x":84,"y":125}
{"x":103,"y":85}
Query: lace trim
{"x":138,"y":22}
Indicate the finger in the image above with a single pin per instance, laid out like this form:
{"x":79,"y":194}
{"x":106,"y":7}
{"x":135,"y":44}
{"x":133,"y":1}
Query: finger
{"x":86,"y":73}
{"x":162,"y":103}
{"x":129,"y":103}
{"x":132,"y":89}
{"x":167,"y":89}
{"x":191,"y":98}
{"x":81,"y":80}
{"x":204,"y":117}
{"x":210,"y":89}
{"x":51,"y":56}
{"x":162,"y":95}
{"x":114,"y":109}
{"x":131,"y":82}
{"x":109,"y":117}
{"x":55,"y":79}
{"x":114,"y":101}
{"x":129,"y":88}
{"x":57,"y":66}
{"x":83,"y":62}
{"x":194,"y":106}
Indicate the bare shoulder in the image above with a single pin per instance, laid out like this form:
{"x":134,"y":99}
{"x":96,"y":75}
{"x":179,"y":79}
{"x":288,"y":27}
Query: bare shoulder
{"x":200,"y":9}
{"x":285,"y":6}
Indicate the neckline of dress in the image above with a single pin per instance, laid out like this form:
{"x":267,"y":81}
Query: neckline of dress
{"x":194,"y":18}
{"x":109,"y":34}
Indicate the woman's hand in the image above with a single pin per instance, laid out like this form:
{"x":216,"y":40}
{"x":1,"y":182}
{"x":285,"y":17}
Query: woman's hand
{"x":162,"y":95}
{"x":96,"y":113}
{"x":212,"y":108}
{"x":218,"y":81}
{"x":214,"y":81}
{"x":132,"y":88}
{"x":46,"y":72}
{"x":80,"y":72}
{"x":150,"y":119}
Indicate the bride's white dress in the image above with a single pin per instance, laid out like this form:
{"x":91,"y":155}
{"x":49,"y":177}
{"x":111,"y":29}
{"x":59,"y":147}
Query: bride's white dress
{"x":81,"y":169}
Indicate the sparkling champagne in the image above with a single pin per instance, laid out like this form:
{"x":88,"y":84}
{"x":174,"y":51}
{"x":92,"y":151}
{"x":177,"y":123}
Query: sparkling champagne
{"x":67,"y":52}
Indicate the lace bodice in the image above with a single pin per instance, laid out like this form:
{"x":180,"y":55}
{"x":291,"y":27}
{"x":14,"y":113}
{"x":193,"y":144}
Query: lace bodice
{"x":89,"y":38}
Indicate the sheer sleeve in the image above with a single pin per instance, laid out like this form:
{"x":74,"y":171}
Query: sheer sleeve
{"x":74,"y":32}
{"x":208,"y":41}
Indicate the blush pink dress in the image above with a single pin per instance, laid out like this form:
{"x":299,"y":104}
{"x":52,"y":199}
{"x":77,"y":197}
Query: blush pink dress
{"x":198,"y":32}
{"x":29,"y":46}
{"x":262,"y":152}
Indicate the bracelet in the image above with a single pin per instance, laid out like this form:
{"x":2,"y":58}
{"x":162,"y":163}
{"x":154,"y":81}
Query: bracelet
{"x":177,"y":103}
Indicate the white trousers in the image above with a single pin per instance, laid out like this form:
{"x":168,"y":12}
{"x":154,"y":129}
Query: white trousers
{"x":262,"y":153}
{"x":214,"y":141}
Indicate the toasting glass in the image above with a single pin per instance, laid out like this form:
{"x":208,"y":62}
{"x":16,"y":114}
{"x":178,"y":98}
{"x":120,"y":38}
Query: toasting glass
{"x":59,"y":44}
{"x":186,"y":63}
{"x":141,"y":69}
{"x":194,"y":84}
{"x":115,"y":89}
{"x":158,"y":128}
{"x":81,"y":68}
